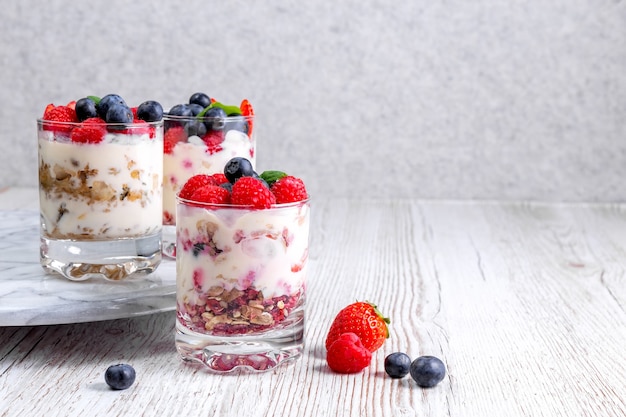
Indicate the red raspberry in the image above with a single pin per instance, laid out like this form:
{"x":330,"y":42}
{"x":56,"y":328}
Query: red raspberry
{"x":213,"y":140}
{"x":211,"y":194}
{"x":193,"y":183}
{"x":250,"y":191}
{"x":219,"y":178}
{"x":90,"y":131}
{"x":172,"y":136}
{"x":347,"y":355}
{"x":59,"y":114}
{"x":289,"y":189}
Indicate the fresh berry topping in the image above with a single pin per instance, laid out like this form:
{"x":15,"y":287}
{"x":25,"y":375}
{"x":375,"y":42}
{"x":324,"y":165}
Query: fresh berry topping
{"x":219,"y":178}
{"x":172,"y":136}
{"x":71,"y":105}
{"x":427,"y":371}
{"x":215,"y":118}
{"x":181,"y":110}
{"x":347,"y":355}
{"x":195,"y":182}
{"x":363,"y":319}
{"x":86,"y":109}
{"x":59,"y":114}
{"x":106,"y":102}
{"x":91,"y":130}
{"x":200,"y":99}
{"x":118,"y":113}
{"x":248,"y":111}
{"x":120,"y":376}
{"x":238,"y":167}
{"x":195,"y":109}
{"x":397,"y":364}
{"x":195,"y":128}
{"x":251,"y":192}
{"x":211,"y":194}
{"x":150,"y":111}
{"x":289,"y":189}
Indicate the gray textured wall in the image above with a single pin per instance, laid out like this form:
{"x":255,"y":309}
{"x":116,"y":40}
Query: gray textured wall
{"x":436,"y":99}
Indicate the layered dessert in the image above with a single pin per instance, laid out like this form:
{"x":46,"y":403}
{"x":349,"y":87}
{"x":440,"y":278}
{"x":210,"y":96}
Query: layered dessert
{"x":242,"y":250}
{"x":200,"y":138}
{"x":98,"y":179}
{"x":100,"y":187}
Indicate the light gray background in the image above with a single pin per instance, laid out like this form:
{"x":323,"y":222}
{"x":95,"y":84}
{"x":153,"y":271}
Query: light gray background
{"x":435,"y":99}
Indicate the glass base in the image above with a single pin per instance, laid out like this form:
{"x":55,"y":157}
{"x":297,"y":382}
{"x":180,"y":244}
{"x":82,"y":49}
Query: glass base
{"x":169,"y":241}
{"x":114,"y":260}
{"x":249,"y":352}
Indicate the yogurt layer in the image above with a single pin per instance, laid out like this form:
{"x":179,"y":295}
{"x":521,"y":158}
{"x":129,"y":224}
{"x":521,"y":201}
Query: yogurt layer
{"x":107,"y":190}
{"x":195,"y":157}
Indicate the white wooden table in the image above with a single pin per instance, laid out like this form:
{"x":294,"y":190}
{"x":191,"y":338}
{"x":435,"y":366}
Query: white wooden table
{"x":524,"y":302}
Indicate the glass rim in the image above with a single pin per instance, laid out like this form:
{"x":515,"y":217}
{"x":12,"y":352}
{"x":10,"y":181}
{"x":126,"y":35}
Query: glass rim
{"x":42,"y":121}
{"x":217,"y":206}
{"x":206,"y":118}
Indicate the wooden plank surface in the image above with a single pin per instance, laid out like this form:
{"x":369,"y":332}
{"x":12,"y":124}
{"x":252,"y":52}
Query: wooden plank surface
{"x":524,"y":302}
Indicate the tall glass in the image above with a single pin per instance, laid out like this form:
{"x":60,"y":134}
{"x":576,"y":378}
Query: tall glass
{"x":100,"y":203}
{"x":240,"y":284}
{"x":200,"y":145}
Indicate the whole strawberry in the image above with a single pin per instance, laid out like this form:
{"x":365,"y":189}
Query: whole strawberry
{"x":363,"y":319}
{"x":347,"y":355}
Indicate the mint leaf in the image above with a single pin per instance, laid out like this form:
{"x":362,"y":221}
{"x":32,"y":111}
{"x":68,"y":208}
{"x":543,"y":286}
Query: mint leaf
{"x":271,"y":177}
{"x":229,"y":110}
{"x":95,"y":99}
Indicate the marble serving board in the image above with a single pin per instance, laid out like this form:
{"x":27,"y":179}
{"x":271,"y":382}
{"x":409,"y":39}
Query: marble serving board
{"x":30,"y":296}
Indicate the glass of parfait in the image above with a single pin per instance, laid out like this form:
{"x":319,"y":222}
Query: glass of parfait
{"x":199,"y":138}
{"x":100,"y":188}
{"x":241,"y":268}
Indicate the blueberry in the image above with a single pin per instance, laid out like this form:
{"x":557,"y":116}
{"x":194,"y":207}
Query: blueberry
{"x":397,"y":364}
{"x":182,"y":110}
{"x":150,"y":111}
{"x":106,"y":102}
{"x":195,"y":109}
{"x":85,"y":109}
{"x":120,"y":376}
{"x":427,"y":371}
{"x":227,"y":186}
{"x":215,"y":118}
{"x":238,"y":167}
{"x":201,"y":99}
{"x":236,"y":122}
{"x":118,"y":113}
{"x":195,"y":128}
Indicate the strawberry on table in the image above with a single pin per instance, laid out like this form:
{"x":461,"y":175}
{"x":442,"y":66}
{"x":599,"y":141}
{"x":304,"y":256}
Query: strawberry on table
{"x":363,"y":319}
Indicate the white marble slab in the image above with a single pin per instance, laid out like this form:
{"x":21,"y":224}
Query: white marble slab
{"x":30,"y":296}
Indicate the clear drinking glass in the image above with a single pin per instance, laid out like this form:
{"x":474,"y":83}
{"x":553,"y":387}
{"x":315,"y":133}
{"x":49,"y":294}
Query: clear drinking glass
{"x":240,"y":284}
{"x":200,"y":145}
{"x":100,"y":203}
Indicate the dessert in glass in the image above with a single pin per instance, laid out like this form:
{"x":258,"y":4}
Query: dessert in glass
{"x":241,"y":266}
{"x":100,"y":188}
{"x":199,"y":138}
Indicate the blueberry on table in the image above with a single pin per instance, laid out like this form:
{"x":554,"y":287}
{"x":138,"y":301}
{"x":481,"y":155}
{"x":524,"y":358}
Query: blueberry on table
{"x":120,"y":376}
{"x":397,"y":364}
{"x":201,"y":99}
{"x":238,"y":167}
{"x":150,"y":111}
{"x":427,"y":371}
{"x":86,"y":109}
{"x":108,"y":101}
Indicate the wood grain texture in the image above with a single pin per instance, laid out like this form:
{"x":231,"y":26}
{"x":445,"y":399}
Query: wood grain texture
{"x":524,"y":302}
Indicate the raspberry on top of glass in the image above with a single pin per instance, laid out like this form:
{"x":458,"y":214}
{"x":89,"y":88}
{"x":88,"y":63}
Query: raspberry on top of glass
{"x":242,"y":250}
{"x":100,"y":168}
{"x":201,"y":136}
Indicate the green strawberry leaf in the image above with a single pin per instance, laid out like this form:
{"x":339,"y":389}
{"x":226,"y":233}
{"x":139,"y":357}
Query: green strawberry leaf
{"x":229,"y":110}
{"x":271,"y":177}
